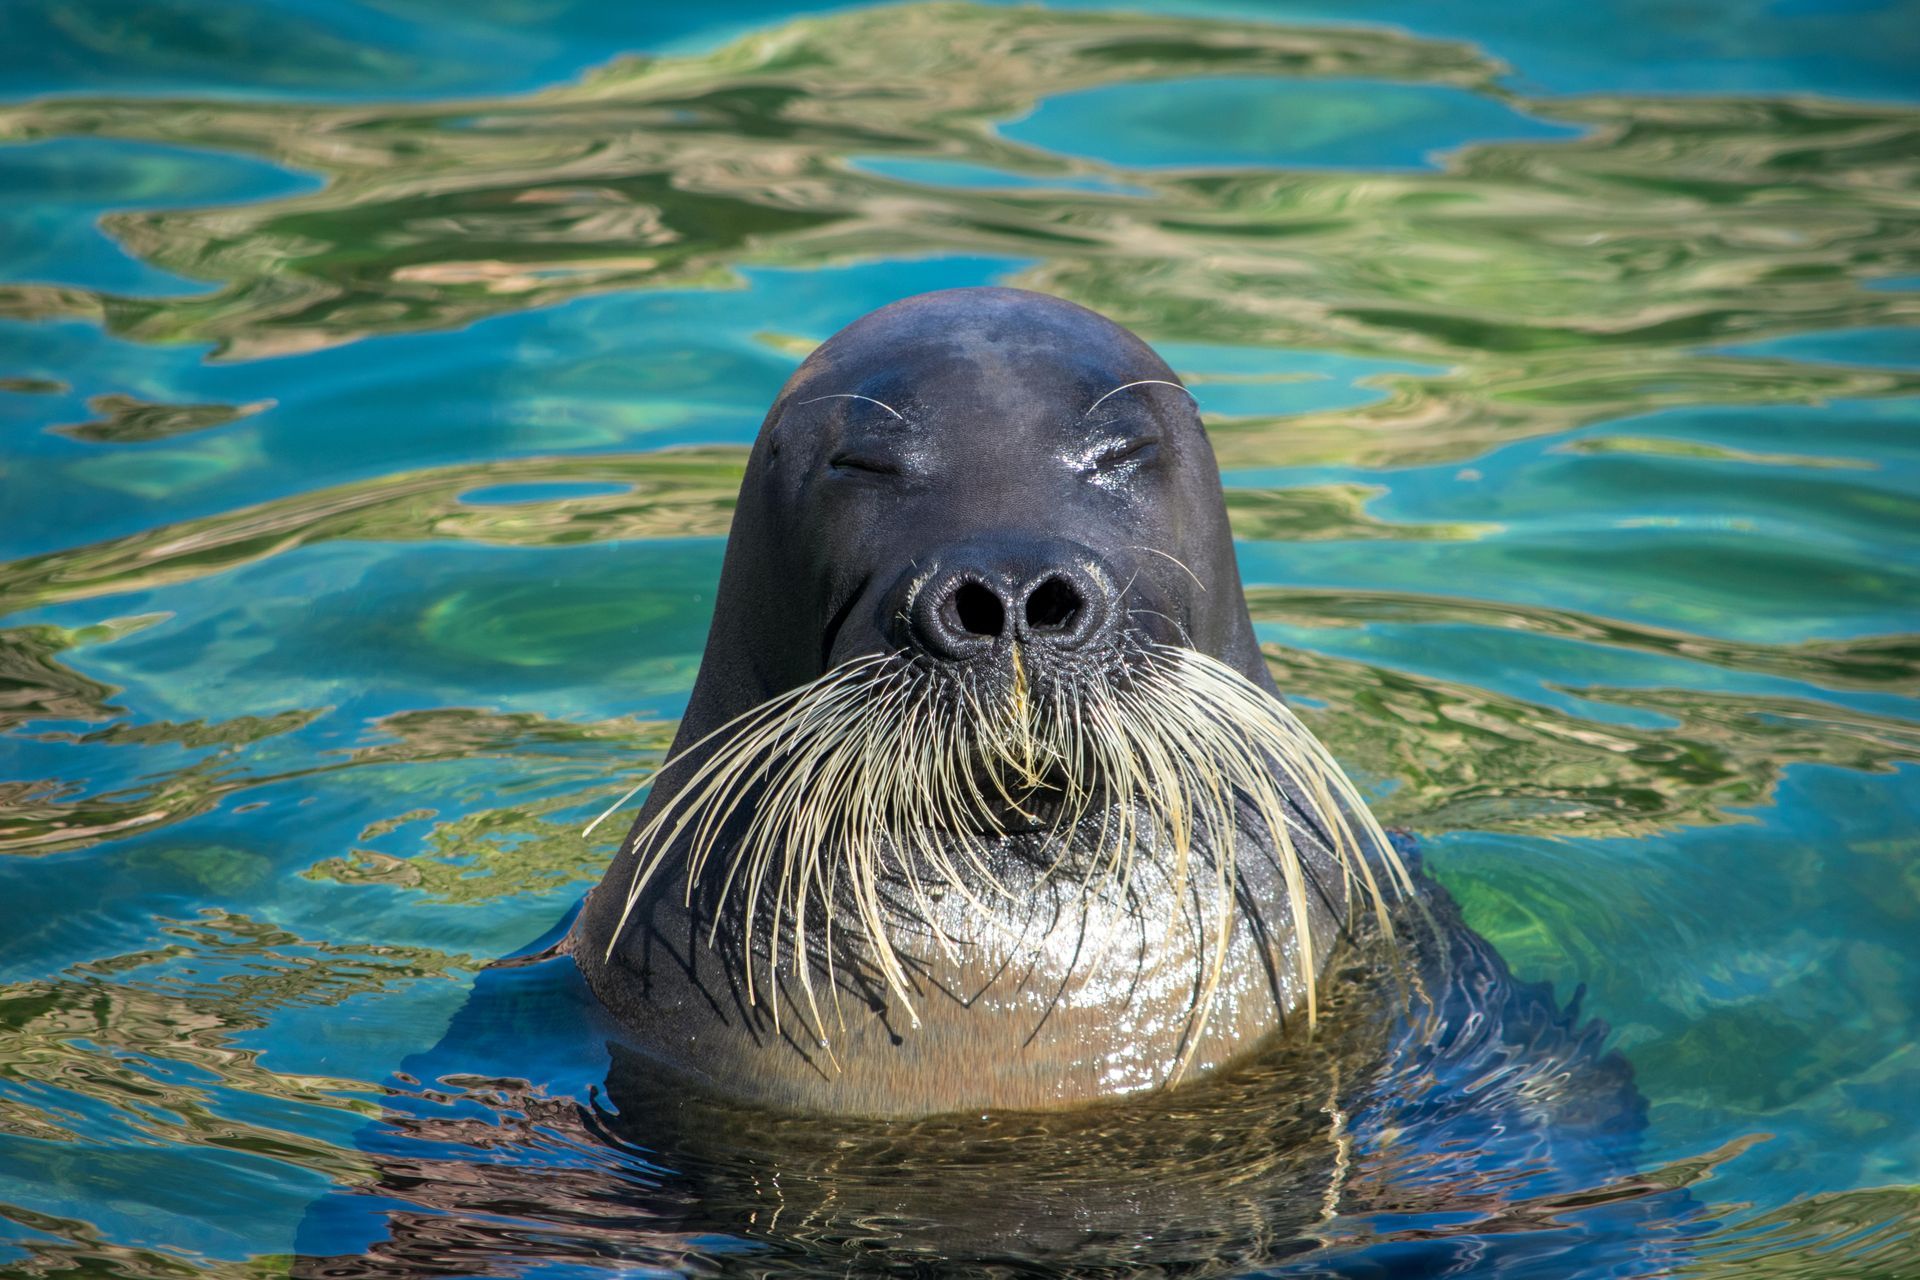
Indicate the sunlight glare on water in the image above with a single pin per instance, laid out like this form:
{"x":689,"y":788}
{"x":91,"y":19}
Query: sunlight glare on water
{"x":376,"y":381}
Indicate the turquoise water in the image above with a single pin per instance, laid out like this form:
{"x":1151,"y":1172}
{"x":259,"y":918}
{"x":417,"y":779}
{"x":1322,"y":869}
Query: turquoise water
{"x":375,"y":380}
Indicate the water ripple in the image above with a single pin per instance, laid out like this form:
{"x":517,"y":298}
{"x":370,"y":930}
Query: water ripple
{"x":1569,"y":443}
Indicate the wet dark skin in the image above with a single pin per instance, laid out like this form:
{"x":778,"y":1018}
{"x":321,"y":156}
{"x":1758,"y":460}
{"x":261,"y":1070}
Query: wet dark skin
{"x":968,"y":478}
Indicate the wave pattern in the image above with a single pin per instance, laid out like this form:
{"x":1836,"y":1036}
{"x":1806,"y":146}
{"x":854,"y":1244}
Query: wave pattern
{"x":365,"y":542}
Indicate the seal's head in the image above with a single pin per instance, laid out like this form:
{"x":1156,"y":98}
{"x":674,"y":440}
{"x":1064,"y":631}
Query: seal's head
{"x":966,"y":476}
{"x":981,"y":734}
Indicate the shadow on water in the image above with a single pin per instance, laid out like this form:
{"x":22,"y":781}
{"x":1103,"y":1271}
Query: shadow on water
{"x":362,"y":513}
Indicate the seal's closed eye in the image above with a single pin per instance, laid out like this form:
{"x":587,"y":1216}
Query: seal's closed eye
{"x":872,"y":464}
{"x":1142,"y":449}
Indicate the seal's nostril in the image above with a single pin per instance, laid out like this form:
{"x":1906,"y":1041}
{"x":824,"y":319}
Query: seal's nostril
{"x":978,"y":610}
{"x":1053,"y":605}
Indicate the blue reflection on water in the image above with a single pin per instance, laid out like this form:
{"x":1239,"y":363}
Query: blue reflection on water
{"x":1300,"y":124}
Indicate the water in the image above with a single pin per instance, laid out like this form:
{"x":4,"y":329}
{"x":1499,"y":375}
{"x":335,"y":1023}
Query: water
{"x":376,"y":380}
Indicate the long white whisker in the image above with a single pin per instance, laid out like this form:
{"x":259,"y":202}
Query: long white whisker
{"x":848,"y":395}
{"x":841,"y":813}
{"x":1176,"y":559}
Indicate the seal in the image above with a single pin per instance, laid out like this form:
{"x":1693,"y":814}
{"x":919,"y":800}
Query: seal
{"x":983,"y":803}
{"x":984,"y":797}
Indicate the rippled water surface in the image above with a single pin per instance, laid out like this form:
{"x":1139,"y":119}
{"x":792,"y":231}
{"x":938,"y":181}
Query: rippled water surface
{"x":376,"y":378}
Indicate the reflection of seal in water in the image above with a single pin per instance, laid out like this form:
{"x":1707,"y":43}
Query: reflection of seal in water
{"x":984,"y":796}
{"x":1484,"y":1133}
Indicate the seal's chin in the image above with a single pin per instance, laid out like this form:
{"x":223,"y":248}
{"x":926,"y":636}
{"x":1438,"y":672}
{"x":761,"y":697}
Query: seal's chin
{"x":807,"y":807}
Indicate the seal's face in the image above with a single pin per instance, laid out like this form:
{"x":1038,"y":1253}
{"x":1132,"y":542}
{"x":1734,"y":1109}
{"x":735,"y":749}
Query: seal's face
{"x":982,"y":722}
{"x":985,"y":485}
{"x":982,"y":477}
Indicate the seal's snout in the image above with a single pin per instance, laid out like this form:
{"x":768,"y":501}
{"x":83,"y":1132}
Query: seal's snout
{"x":1053,"y":595}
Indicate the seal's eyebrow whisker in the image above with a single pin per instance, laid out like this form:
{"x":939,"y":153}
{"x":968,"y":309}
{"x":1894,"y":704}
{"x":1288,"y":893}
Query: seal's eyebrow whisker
{"x":1185,"y":635}
{"x":1176,"y":559}
{"x":1143,"y":382}
{"x":848,"y":395}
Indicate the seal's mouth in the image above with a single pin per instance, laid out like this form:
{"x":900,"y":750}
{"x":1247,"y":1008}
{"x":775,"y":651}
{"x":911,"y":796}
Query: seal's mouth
{"x":1018,"y":806}
{"x":810,"y":810}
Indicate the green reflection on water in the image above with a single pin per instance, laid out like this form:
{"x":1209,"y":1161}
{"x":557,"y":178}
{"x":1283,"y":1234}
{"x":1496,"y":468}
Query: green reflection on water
{"x":125,"y":419}
{"x":675,"y":494}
